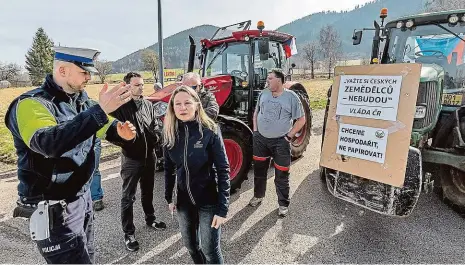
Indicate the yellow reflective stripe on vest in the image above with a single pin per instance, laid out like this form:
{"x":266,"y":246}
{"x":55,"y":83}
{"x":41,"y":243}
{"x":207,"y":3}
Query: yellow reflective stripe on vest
{"x":32,"y":116}
{"x":103,"y":132}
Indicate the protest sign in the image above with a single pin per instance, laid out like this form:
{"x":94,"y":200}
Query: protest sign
{"x":364,"y":96}
{"x":370,"y":120}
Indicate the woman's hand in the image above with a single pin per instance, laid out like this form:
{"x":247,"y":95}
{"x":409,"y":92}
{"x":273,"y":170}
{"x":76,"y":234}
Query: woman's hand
{"x":218,"y":221}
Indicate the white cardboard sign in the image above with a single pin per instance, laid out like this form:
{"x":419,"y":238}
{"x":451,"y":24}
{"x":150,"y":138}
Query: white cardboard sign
{"x":362,"y":142}
{"x":371,"y":97}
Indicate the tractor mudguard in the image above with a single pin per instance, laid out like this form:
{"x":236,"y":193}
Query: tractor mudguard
{"x":376,"y":196}
{"x":228,"y":123}
{"x":454,"y":125}
{"x":223,"y":119}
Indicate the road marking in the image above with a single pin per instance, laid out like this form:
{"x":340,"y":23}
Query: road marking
{"x":118,"y":259}
{"x":180,"y":253}
{"x":270,"y":202}
{"x":111,"y":176}
{"x":159,"y":248}
{"x":279,"y":252}
{"x":338,"y":230}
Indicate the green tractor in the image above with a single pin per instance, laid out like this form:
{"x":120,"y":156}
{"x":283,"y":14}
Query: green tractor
{"x":436,"y":158}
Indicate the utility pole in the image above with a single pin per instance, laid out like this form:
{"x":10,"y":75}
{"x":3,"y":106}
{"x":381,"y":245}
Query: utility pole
{"x":160,"y":45}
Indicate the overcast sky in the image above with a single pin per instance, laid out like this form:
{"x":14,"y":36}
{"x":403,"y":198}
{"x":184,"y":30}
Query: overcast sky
{"x":119,"y":27}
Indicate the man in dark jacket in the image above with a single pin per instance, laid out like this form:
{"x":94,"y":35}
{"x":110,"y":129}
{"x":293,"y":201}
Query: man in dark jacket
{"x":138,"y":161}
{"x":207,"y":98}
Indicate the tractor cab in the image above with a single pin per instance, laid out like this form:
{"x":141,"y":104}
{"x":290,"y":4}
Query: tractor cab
{"x":436,"y":40}
{"x":240,"y":59}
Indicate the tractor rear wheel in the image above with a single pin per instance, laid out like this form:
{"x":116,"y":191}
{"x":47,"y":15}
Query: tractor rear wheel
{"x":239,"y":154}
{"x":299,"y":145}
{"x":453,"y":187}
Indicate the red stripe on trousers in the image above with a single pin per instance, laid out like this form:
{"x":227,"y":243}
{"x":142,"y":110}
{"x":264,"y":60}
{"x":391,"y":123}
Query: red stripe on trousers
{"x":259,"y":158}
{"x":281,"y":167}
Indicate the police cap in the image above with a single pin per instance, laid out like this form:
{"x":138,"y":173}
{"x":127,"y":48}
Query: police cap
{"x":82,"y":57}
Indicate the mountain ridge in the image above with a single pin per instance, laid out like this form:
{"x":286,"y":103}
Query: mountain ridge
{"x":305,"y":29}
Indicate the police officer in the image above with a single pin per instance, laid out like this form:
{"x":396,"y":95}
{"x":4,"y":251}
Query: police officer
{"x":54,"y":128}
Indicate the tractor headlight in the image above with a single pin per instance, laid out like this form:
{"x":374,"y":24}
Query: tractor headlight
{"x":453,"y":19}
{"x":160,"y":108}
{"x":420,"y":112}
{"x":409,"y":23}
{"x":400,"y":24}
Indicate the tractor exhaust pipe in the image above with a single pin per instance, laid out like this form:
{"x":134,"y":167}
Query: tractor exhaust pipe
{"x":375,"y":46}
{"x":190,"y":63}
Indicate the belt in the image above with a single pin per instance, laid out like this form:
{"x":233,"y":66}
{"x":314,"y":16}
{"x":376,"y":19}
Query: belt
{"x":26,"y":210}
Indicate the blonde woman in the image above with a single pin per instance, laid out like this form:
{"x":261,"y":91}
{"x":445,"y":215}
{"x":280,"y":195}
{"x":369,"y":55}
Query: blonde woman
{"x":192,"y":146}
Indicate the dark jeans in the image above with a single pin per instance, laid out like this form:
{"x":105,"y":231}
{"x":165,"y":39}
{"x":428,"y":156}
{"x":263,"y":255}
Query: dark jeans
{"x":71,"y":233}
{"x":280,"y":150}
{"x":132,"y":172}
{"x":203,"y":248}
{"x":96,"y":184}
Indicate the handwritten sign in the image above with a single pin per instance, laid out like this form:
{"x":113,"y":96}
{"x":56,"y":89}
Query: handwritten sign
{"x":362,"y":142}
{"x":372,"y":97}
{"x":369,"y":120}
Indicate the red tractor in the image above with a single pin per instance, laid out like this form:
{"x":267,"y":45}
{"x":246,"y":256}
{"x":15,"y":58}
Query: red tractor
{"x":234,"y":64}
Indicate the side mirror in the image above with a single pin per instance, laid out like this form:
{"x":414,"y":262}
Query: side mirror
{"x":200,"y":57}
{"x":357,"y":37}
{"x":264,"y":48}
{"x":256,"y":80}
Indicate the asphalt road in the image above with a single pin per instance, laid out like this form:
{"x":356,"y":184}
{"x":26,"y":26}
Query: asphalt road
{"x":318,"y":229}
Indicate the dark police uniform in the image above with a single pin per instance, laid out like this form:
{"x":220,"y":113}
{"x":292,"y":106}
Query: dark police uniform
{"x":54,"y":134}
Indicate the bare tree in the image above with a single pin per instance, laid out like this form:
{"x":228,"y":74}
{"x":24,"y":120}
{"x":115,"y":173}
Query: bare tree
{"x":441,"y":5}
{"x":9,"y":71}
{"x":104,"y":69}
{"x":150,"y":61}
{"x":330,"y":47}
{"x":311,"y":55}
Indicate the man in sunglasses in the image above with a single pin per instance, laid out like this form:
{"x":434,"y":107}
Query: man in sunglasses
{"x":138,"y":159}
{"x":207,"y":98}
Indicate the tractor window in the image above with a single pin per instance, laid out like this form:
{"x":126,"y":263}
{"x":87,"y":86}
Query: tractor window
{"x":273,"y":61}
{"x":432,"y":46}
{"x":262,"y":68}
{"x":284,"y":62}
{"x":232,"y":59}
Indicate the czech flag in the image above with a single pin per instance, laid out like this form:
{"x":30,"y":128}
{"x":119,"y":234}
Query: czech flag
{"x":290,"y":48}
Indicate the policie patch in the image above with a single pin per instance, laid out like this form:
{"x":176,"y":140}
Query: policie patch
{"x":49,"y":248}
